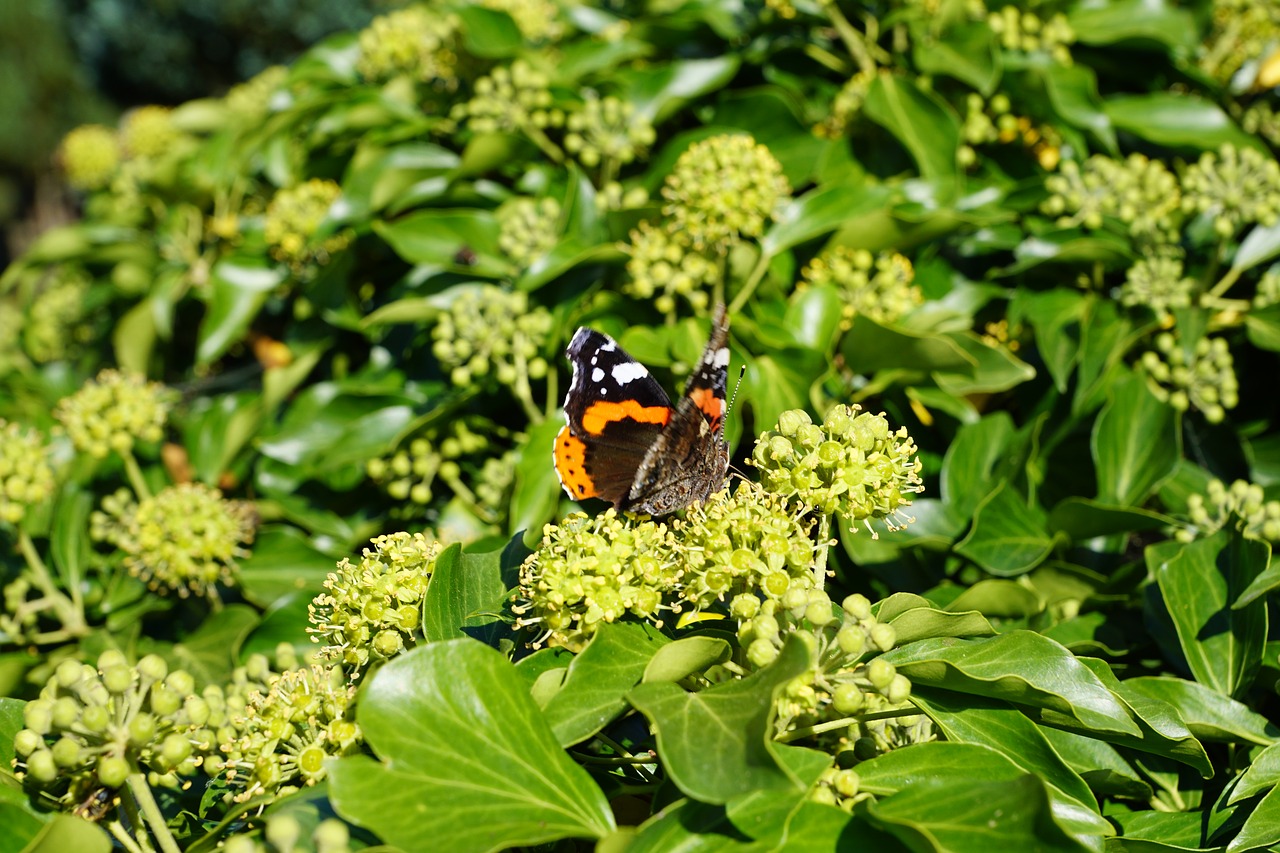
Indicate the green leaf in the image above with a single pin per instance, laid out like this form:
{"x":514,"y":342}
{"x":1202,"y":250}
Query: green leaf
{"x":283,"y":562}
{"x":68,"y":545}
{"x":1082,"y":518}
{"x":209,"y":652}
{"x":1021,"y":667}
{"x":717,"y":744}
{"x":217,"y":428}
{"x":1264,"y":583}
{"x":65,"y":832}
{"x":657,"y":90}
{"x":1177,"y":120}
{"x":971,"y":459}
{"x":466,"y":594}
{"x":974,"y":815}
{"x":434,"y":237}
{"x":999,"y":599}
{"x":1136,"y":443}
{"x":1261,"y":827}
{"x":1263,"y":327}
{"x":927,"y":622}
{"x":869,"y":346}
{"x":924,"y":125}
{"x":1073,"y":92}
{"x":686,"y":656}
{"x":1208,"y":714}
{"x":1098,"y":763}
{"x":1055,"y":317}
{"x":1260,"y":245}
{"x":995,"y":724}
{"x":1124,"y":20}
{"x":1262,"y":774}
{"x":598,"y":680}
{"x":537,"y":490}
{"x":238,"y":288}
{"x":489,"y":33}
{"x":1008,"y":537}
{"x":377,"y":177}
{"x":821,"y":211}
{"x":1222,"y":644}
{"x":945,"y":762}
{"x":467,"y":762}
{"x":995,"y":369}
{"x":134,"y":337}
{"x":1070,"y":246}
{"x":969,"y":53}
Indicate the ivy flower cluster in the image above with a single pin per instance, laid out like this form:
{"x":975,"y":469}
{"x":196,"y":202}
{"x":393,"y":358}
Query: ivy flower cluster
{"x":851,"y":465}
{"x":880,"y":287}
{"x":251,"y":100}
{"x":1139,"y":192}
{"x":845,"y":106}
{"x":663,"y":265}
{"x":724,"y":189}
{"x":305,"y":716}
{"x":537,"y":20}
{"x":98,"y":726}
{"x":293,"y":220}
{"x":1243,"y":33}
{"x":57,"y":325}
{"x":149,"y":133}
{"x":1242,"y":505}
{"x":1026,"y":32}
{"x":528,"y":228}
{"x":415,"y":41}
{"x":284,"y":834}
{"x":26,"y":477}
{"x":510,"y":99}
{"x":371,"y":611}
{"x":1157,"y":282}
{"x":1235,"y":187}
{"x":608,"y":130}
{"x":186,"y":539}
{"x":90,"y":156}
{"x":492,"y":331}
{"x":113,"y":411}
{"x":1203,"y":378}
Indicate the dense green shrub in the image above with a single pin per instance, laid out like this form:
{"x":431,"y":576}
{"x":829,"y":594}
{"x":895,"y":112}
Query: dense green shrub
{"x":290,"y":567}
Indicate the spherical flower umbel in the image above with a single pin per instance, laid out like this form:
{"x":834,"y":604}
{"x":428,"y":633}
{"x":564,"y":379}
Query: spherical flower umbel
{"x":55,"y":327}
{"x":489,"y":330}
{"x":1023,"y":31}
{"x":94,"y":726}
{"x":1242,"y":504}
{"x":664,"y":265}
{"x":416,"y":41}
{"x":187,"y":538}
{"x":90,"y":156}
{"x":1158,"y":283}
{"x":149,"y":132}
{"x":1139,"y":192}
{"x":26,"y":477}
{"x":1234,"y":186}
{"x":114,"y":410}
{"x":528,"y":228}
{"x":510,"y":99}
{"x":589,"y":571}
{"x":371,"y":611}
{"x":293,"y":220}
{"x":881,"y":287}
{"x":609,"y":130}
{"x":251,"y":100}
{"x":852,"y":464}
{"x":537,"y":20}
{"x":723,"y":189}
{"x":286,"y":734}
{"x":1204,"y":377}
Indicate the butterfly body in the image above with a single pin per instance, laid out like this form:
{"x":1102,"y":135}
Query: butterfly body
{"x":625,"y":442}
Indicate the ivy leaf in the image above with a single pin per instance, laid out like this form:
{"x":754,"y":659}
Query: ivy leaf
{"x":1009,"y":536}
{"x":1136,"y":443}
{"x":466,"y":760}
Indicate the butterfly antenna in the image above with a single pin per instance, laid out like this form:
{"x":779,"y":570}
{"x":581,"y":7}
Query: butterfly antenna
{"x":734,"y":396}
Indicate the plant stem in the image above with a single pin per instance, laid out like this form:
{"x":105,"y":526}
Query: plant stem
{"x":134,"y":473}
{"x":752,"y":280}
{"x":71,"y":616}
{"x":824,"y":545}
{"x":851,"y":37}
{"x":120,"y":834}
{"x":1224,"y":284}
{"x":151,"y":813}
{"x":142,"y":841}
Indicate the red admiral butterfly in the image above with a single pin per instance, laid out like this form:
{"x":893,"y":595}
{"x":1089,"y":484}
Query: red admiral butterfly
{"x":625,"y":443}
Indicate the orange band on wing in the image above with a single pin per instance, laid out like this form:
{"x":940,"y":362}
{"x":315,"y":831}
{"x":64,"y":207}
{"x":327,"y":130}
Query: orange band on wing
{"x":603,"y":412}
{"x":570,"y":456}
{"x":710,"y":405}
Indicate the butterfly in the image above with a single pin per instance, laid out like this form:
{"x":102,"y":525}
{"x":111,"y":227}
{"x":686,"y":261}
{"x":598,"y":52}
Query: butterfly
{"x":624,"y":442}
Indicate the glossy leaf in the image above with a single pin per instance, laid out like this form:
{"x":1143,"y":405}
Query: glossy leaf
{"x":465,"y":759}
{"x":238,"y":287}
{"x":599,"y":678}
{"x":1009,"y":537}
{"x":971,"y":460}
{"x":716,"y":744}
{"x":1178,"y":120}
{"x":1136,"y":443}
{"x":919,"y":121}
{"x":1210,"y":715}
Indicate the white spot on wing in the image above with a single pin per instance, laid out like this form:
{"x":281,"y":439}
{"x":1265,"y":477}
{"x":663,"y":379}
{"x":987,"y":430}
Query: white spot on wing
{"x":597,"y":375}
{"x":628,"y":371}
{"x":609,"y":345}
{"x":722,"y":357}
